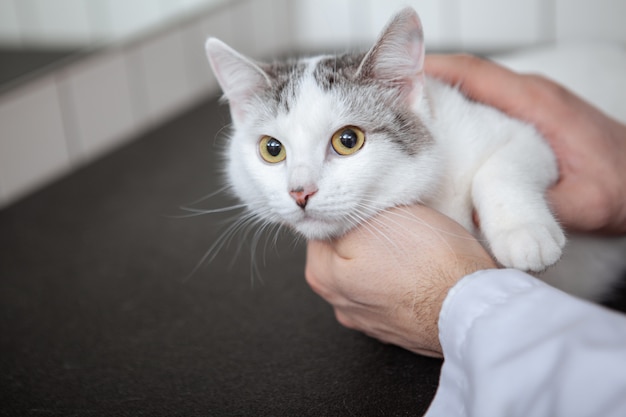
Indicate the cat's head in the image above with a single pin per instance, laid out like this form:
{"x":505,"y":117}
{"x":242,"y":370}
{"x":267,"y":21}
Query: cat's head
{"x":321,"y":144}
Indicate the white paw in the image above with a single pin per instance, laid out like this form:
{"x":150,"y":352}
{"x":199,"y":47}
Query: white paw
{"x":529,"y":247}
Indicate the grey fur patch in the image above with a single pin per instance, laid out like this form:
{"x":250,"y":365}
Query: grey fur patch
{"x":285,"y":78}
{"x":381,"y":107}
{"x":377,"y":107}
{"x":337,"y":69}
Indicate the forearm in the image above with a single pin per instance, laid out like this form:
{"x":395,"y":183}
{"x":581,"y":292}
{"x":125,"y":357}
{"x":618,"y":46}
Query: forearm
{"x":569,"y":364}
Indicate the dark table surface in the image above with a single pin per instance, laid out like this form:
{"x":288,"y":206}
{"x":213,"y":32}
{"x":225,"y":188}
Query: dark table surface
{"x":99,"y":315}
{"x":22,"y":63}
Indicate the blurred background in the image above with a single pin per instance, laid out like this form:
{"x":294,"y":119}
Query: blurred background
{"x":79,"y":78}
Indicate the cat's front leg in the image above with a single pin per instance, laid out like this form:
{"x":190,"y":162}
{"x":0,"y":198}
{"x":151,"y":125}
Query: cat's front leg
{"x":508,"y":193}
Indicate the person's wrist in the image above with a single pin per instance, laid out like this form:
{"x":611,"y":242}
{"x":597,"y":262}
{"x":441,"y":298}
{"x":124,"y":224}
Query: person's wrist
{"x":428,"y":312}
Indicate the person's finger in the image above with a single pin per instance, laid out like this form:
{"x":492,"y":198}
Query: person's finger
{"x":319,"y":269}
{"x":593,"y":216}
{"x":490,"y":83}
{"x":480,"y":79}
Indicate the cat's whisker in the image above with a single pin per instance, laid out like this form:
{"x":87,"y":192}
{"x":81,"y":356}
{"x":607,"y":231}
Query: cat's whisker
{"x":208,"y":196}
{"x":378,"y":229}
{"x":244,"y":226}
{"x":363,"y":218}
{"x":411,"y":216}
{"x":251,"y":231}
{"x":200,"y":211}
{"x":211,"y":253}
{"x":247,"y":227}
{"x":372,"y":225}
{"x":278,"y":230}
{"x":436,"y":231}
{"x":220,"y":132}
{"x":254,"y":268}
{"x":264,"y":230}
{"x":194,"y":212}
{"x":258,"y":234}
{"x":242,"y":223}
{"x":404,"y":214}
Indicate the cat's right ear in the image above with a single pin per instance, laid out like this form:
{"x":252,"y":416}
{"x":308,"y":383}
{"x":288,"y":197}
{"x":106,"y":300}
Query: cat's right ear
{"x":397,"y":57}
{"x":239,"y":77}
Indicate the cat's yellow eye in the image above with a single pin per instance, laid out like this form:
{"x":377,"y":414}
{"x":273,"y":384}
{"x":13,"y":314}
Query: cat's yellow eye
{"x":272,"y":150}
{"x":348,"y":140}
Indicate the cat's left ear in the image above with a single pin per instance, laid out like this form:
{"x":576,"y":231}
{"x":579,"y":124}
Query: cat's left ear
{"x":397,"y":57}
{"x":239,"y":77}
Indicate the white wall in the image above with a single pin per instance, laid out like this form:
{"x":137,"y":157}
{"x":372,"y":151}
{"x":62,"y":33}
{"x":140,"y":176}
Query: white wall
{"x":71,"y":116}
{"x":81,"y":23}
{"x":323,"y":24}
{"x":472,"y":25}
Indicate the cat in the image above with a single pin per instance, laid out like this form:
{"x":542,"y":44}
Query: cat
{"x":322,"y":144}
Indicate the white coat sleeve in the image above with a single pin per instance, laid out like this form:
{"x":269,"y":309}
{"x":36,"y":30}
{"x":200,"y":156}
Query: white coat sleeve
{"x":514,"y":346}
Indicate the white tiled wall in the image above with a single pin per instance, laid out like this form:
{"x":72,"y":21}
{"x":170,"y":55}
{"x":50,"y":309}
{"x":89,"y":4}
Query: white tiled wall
{"x":502,"y":24}
{"x":474,"y":25}
{"x":32,"y":143}
{"x":80,"y":23}
{"x":71,"y":116}
{"x":593,"y":20}
{"x":97,"y":103}
{"x":159,"y":75}
{"x":9,"y":26}
{"x":48,"y":21}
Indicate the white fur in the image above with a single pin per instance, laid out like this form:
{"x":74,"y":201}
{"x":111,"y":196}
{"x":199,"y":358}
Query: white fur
{"x":501,"y":172}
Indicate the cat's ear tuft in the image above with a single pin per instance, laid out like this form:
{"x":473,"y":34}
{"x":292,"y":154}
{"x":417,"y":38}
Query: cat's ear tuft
{"x":239,"y":77}
{"x":397,"y":57}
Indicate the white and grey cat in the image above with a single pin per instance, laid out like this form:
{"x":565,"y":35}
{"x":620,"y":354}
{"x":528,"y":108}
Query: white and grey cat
{"x":324,"y":143}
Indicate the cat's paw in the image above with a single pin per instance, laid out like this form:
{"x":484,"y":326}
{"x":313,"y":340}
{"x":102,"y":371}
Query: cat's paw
{"x":531,"y":247}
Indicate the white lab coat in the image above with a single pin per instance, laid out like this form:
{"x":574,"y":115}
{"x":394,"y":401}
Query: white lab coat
{"x":514,"y":346}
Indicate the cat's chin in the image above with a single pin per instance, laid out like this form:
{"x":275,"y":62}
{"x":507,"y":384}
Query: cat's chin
{"x":313,"y":229}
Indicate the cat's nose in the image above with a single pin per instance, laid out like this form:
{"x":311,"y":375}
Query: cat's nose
{"x":301,"y":195}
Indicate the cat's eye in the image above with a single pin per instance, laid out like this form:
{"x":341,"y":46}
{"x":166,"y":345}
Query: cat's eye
{"x":272,"y":150}
{"x":348,"y":140}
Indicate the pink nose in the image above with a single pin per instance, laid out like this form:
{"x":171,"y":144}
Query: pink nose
{"x":301,"y":195}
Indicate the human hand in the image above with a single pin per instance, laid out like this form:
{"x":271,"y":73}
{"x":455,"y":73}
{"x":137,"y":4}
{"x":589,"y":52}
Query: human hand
{"x":590,"y":147}
{"x":389,"y":277}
